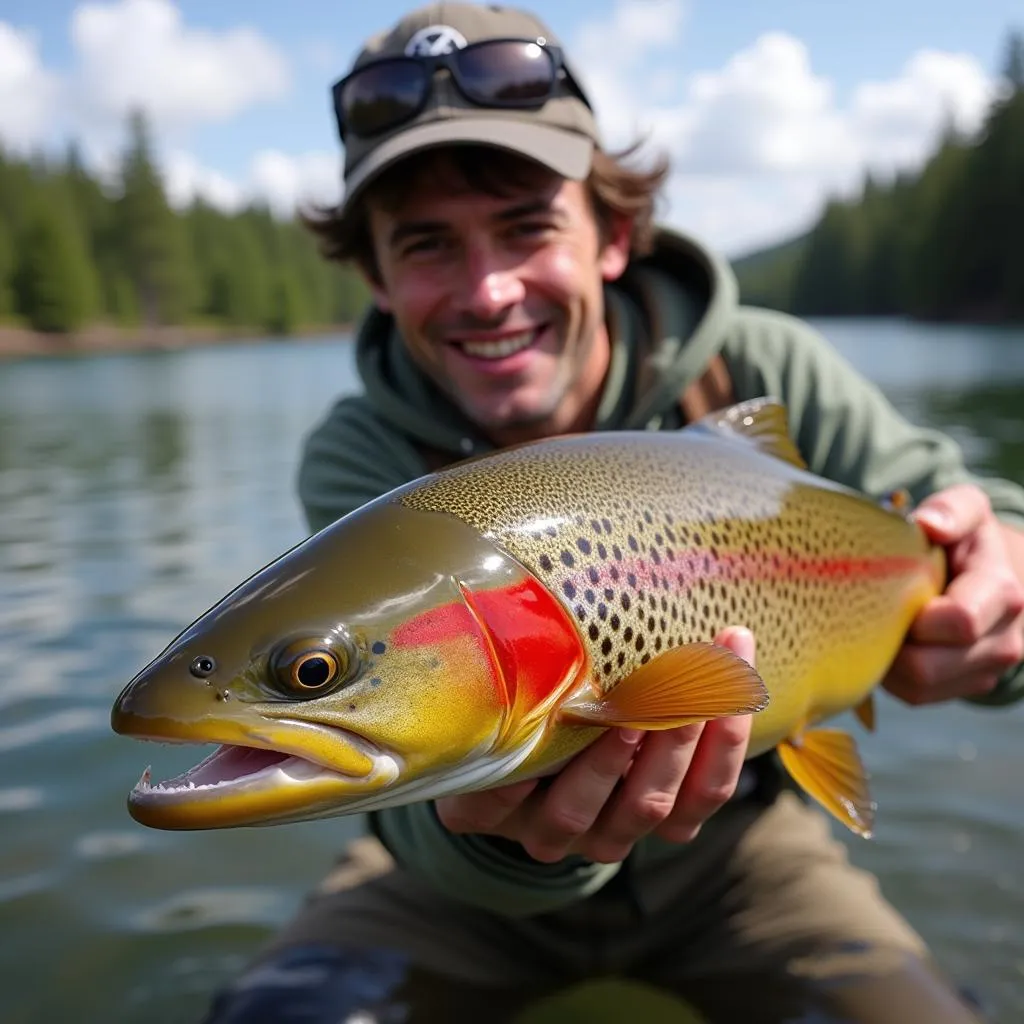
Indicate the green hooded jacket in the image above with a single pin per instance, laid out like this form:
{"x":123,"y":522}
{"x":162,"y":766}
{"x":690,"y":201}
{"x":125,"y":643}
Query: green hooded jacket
{"x":668,"y":316}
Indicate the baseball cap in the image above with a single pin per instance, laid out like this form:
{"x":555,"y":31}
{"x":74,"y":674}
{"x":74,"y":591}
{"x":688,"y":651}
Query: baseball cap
{"x":560,"y":133}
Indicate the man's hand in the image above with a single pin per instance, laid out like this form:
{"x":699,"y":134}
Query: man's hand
{"x":963,"y":640}
{"x":619,"y":789}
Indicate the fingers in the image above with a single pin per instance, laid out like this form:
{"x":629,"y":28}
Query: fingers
{"x":715,"y":770}
{"x":928,"y":674}
{"x":983,"y":596}
{"x":648,"y":795}
{"x":552,"y":826}
{"x":712,"y":778}
{"x":485,"y":813}
{"x":953,"y":513}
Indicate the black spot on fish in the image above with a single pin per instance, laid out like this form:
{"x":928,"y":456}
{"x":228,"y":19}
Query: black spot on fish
{"x":625,"y":601}
{"x":583,"y":544}
{"x":593,"y":575}
{"x":602,"y":552}
{"x":545,"y":563}
{"x":614,"y":622}
{"x":646,"y":658}
{"x":631,"y":579}
{"x":567,"y":559}
{"x":589,"y":596}
{"x":607,"y":523}
{"x":602,"y":611}
{"x":607,"y":669}
{"x":606,"y":646}
{"x":379,"y":647}
{"x":639,"y":642}
{"x":581,"y":613}
{"x":613,"y":571}
{"x":627,"y":634}
{"x":351,"y":707}
{"x":632,"y":543}
{"x":617,"y":552}
{"x":594,"y":631}
{"x":655,"y":557}
{"x":609,"y":594}
{"x":375,"y":681}
{"x":569,"y":589}
{"x":621,"y":659}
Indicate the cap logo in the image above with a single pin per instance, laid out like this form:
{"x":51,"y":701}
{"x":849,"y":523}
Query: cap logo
{"x":434,"y":40}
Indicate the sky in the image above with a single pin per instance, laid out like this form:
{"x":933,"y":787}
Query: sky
{"x":766,"y":108}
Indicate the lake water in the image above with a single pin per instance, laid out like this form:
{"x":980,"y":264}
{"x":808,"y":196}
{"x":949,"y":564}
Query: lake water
{"x":136,"y":490}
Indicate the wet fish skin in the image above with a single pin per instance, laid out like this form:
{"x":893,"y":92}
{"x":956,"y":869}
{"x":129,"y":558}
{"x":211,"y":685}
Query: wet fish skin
{"x":495,"y":617}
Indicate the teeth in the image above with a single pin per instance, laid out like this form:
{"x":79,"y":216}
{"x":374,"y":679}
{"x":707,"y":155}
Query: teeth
{"x":498,"y":349}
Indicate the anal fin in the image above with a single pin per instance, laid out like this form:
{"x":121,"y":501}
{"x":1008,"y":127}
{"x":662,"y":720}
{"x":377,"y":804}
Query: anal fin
{"x":865,"y":712}
{"x":826,"y":765}
{"x":692,"y":683}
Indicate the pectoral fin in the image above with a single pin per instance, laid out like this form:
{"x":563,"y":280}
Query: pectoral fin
{"x":682,"y":685}
{"x":826,"y":765}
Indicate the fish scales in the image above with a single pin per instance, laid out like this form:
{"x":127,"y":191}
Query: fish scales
{"x":645,"y":560}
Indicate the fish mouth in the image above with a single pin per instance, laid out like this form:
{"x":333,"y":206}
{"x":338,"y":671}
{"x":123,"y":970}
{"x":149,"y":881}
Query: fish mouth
{"x":267,"y":781}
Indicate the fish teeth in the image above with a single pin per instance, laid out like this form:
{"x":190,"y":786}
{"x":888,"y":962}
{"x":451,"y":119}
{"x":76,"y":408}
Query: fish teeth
{"x":501,"y":349}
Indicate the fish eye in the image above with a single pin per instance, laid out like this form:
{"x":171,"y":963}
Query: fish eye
{"x":310,"y":668}
{"x":203,"y":666}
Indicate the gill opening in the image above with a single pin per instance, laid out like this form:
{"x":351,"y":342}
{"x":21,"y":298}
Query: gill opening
{"x":507,"y":694}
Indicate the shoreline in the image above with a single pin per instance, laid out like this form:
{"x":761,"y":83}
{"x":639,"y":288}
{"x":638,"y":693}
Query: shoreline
{"x":103,"y":339}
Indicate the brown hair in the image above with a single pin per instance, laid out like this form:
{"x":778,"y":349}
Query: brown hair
{"x":615,"y":189}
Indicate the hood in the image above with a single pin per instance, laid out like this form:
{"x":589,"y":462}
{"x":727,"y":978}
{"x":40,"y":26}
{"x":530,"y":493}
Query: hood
{"x":667,"y":316}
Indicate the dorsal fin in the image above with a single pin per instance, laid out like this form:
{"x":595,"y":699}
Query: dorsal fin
{"x":760,"y":421}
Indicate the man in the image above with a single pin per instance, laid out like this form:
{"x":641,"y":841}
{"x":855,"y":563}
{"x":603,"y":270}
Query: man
{"x":521,"y":290}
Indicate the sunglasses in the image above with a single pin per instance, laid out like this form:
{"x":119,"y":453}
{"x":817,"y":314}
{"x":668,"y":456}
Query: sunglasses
{"x":499,"y":73}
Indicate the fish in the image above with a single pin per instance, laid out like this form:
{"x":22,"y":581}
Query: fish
{"x":486,"y":622}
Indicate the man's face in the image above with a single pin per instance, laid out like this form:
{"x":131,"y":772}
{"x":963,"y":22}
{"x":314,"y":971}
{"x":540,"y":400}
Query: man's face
{"x":500,"y":299}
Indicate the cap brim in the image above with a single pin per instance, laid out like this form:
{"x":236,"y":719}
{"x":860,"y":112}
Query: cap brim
{"x":567,"y":153}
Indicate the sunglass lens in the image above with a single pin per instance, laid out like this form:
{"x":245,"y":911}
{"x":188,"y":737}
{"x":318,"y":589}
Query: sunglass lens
{"x":382,"y":96}
{"x":506,"y":72}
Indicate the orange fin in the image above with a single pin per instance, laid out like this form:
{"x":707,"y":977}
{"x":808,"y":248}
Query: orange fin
{"x":762,"y":422}
{"x":865,"y":712}
{"x":826,"y":765}
{"x":899,"y":501}
{"x":682,"y":685}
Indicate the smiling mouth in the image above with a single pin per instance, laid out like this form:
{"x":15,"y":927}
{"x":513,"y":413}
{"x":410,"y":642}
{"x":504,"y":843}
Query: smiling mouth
{"x":500,"y":348}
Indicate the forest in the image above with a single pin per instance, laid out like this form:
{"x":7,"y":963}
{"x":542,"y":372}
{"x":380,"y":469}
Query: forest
{"x":944,"y":243}
{"x":75,"y":251}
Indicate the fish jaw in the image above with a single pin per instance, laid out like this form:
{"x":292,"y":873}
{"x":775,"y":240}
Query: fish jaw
{"x":262,"y":772}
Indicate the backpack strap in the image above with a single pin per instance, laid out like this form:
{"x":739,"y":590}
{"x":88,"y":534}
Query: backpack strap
{"x":712,"y":391}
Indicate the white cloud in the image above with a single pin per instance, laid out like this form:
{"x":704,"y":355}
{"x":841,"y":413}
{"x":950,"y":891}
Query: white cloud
{"x":897,"y":120}
{"x":28,"y":92}
{"x":139,"y":53}
{"x":284,"y":181}
{"x":186,"y":179}
{"x":758,"y":143}
{"x":287,"y":181}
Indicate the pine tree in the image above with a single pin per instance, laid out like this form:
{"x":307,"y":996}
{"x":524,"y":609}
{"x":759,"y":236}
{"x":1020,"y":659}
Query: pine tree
{"x":150,"y":238}
{"x":54,"y":279}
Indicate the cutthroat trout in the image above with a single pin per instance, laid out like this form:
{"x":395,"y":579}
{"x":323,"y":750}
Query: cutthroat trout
{"x":485,"y":623}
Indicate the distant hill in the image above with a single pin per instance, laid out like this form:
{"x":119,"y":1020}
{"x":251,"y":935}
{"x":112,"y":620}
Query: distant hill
{"x":766,"y":276}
